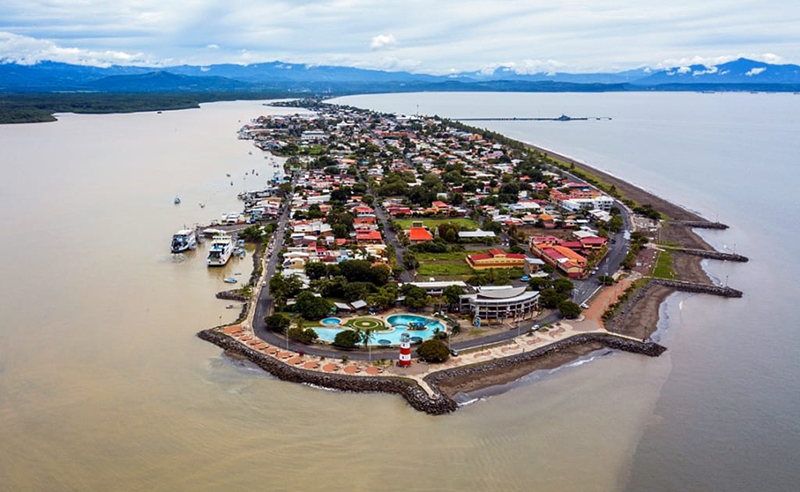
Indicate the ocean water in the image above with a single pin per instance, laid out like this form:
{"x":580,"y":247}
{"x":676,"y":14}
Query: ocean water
{"x":725,"y":417}
{"x":103,"y":385}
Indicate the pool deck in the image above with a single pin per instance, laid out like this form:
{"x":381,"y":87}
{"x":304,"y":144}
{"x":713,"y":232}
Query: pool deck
{"x":419,"y":370}
{"x":590,"y":323}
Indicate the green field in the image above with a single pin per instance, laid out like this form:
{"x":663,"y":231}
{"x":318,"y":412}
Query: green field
{"x":466,"y":224}
{"x":449,"y":256}
{"x":450,"y":264}
{"x":663,"y":268}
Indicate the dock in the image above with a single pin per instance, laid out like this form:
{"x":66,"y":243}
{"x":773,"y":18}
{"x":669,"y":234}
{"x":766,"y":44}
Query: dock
{"x":563,"y":117}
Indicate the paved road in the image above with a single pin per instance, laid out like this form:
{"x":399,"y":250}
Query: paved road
{"x":391,"y":238}
{"x":583,"y":289}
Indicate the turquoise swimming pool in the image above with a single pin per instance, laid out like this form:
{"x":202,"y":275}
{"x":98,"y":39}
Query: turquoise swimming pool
{"x":399,"y":323}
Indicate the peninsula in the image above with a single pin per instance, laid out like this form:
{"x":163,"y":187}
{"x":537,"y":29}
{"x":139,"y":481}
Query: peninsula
{"x":424,"y":257}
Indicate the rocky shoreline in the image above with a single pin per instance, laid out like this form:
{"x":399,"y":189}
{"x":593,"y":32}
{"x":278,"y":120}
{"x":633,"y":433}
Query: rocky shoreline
{"x":439,"y":402}
{"x":411,"y":391}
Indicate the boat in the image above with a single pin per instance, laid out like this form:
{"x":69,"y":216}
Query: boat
{"x":183,"y":240}
{"x":177,"y":201}
{"x":220,"y":251}
{"x":229,"y":280}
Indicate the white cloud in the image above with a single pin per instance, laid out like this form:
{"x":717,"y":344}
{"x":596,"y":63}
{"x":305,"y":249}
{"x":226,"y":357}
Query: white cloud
{"x":432,"y":37}
{"x":708,"y":71}
{"x":755,"y":71}
{"x":684,"y":69}
{"x":28,"y":51}
{"x":525,"y":67}
{"x":382,"y":41}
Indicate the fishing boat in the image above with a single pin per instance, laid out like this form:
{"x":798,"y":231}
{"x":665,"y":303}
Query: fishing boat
{"x":177,"y":201}
{"x":229,"y":280}
{"x":183,"y":240}
{"x":220,"y":251}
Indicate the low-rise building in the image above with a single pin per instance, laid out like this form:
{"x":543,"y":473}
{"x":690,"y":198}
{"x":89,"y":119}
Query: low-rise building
{"x":495,"y":258}
{"x":419,"y":234}
{"x":491,"y":303}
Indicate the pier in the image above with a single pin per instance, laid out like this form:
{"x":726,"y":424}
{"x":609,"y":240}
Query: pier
{"x":714,"y":255}
{"x":698,"y":224}
{"x":699,"y":288}
{"x":563,"y":117}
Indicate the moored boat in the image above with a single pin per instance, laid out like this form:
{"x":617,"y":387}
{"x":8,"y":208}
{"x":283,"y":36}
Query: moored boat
{"x":183,"y":240}
{"x":220,"y":251}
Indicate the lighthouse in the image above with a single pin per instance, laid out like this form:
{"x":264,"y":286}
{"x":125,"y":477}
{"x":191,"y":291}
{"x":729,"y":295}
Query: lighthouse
{"x":405,"y":351}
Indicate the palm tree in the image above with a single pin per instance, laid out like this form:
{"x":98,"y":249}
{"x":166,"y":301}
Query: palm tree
{"x":366,"y":337}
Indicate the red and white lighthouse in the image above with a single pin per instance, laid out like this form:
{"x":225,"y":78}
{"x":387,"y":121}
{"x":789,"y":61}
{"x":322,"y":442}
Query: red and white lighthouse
{"x":405,"y":351}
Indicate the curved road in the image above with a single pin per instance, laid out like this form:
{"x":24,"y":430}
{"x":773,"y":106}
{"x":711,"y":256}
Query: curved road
{"x":584,"y":289}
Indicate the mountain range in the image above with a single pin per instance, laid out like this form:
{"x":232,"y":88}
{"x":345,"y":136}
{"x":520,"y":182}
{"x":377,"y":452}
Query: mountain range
{"x":48,"y":76}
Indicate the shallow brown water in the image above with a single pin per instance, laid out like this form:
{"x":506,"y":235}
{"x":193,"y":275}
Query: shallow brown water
{"x":103,"y":385}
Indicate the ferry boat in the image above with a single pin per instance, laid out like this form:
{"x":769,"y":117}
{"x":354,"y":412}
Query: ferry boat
{"x":183,"y":240}
{"x":220,"y":252}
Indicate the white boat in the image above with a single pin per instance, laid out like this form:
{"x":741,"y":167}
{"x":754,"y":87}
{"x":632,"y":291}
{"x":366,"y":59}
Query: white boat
{"x":220,"y":251}
{"x":183,"y":240}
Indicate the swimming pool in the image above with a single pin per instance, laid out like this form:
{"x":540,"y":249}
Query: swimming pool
{"x":331,"y":321}
{"x":400,"y":323}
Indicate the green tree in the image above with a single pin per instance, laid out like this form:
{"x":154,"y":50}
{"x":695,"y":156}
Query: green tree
{"x":312,"y":307}
{"x":563,"y":286}
{"x":410,"y":261}
{"x":453,"y":293}
{"x":540,"y":283}
{"x":380,"y":274}
{"x":415,"y":297}
{"x":356,"y":270}
{"x":316,"y":270}
{"x":550,"y":298}
{"x":357,"y":290}
{"x":277,"y":322}
{"x":281,"y":287}
{"x":307,"y":335}
{"x":569,"y":309}
{"x":433,"y":350}
{"x":346,"y":339}
{"x":340,"y":231}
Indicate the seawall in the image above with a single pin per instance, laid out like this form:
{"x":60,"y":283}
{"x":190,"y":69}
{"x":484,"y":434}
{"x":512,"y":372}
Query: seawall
{"x":699,"y":288}
{"x":714,"y":255}
{"x":411,"y":391}
{"x":650,"y":349}
{"x":697,"y":224}
{"x":419,"y":399}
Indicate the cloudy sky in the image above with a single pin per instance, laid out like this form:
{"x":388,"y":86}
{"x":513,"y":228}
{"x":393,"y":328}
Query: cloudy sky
{"x":433,"y":36}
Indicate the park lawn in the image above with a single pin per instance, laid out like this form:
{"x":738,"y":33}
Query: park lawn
{"x":446,"y":269}
{"x":450,"y":264}
{"x":663,"y":268}
{"x":449,"y":256}
{"x":465,"y":224}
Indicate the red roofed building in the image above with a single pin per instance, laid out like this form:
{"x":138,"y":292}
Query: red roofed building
{"x":419,"y":234}
{"x":495,"y":258}
{"x":593,"y":242}
{"x":365,"y":223}
{"x":368,"y":236}
{"x":397,"y":210}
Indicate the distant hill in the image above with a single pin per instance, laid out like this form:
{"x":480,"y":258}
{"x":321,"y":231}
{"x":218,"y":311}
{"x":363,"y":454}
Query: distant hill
{"x":741,"y":71}
{"x":277,"y":76}
{"x":162,"y":81}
